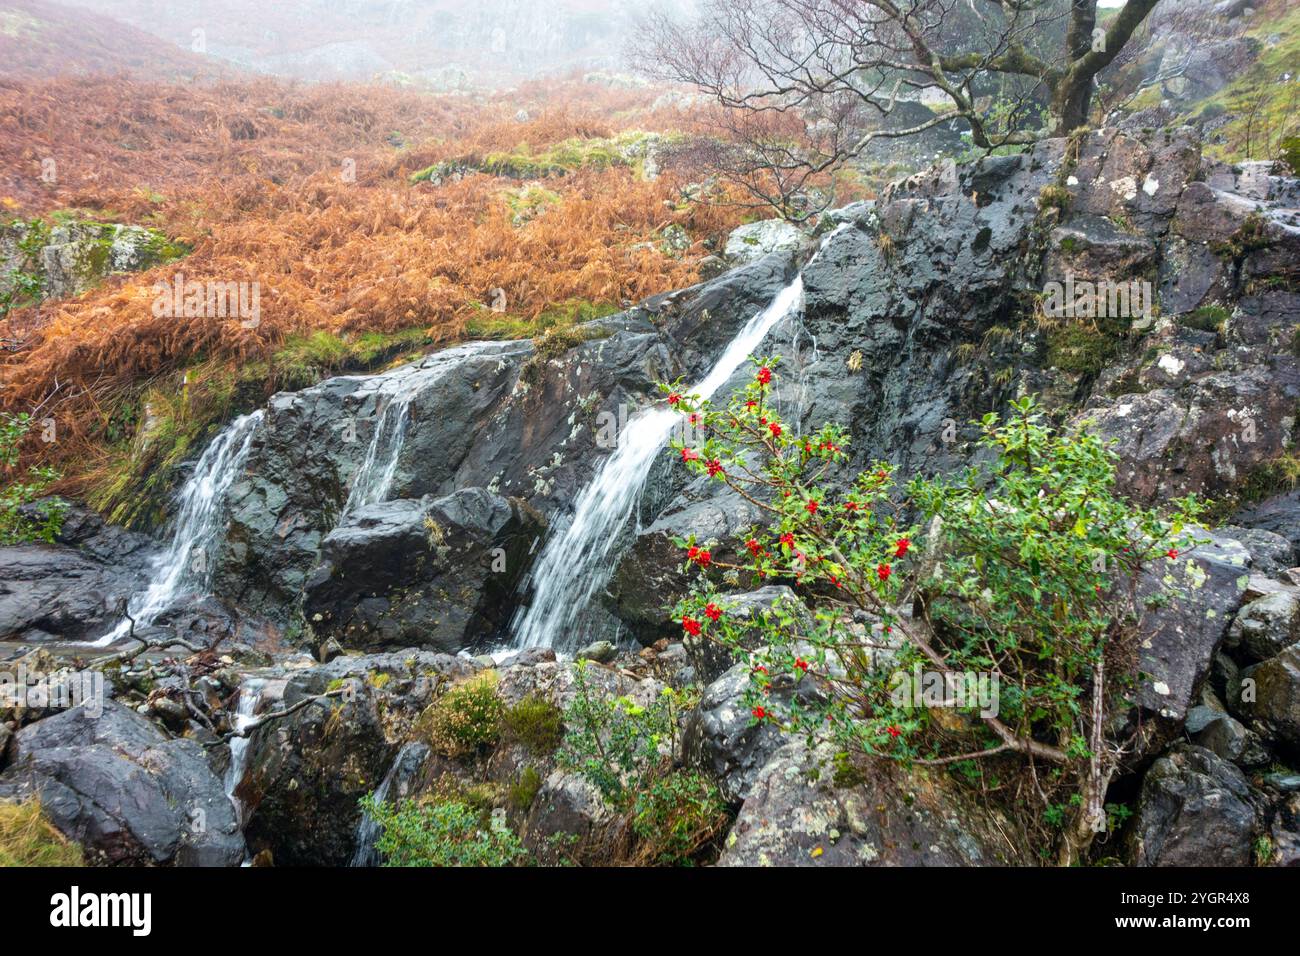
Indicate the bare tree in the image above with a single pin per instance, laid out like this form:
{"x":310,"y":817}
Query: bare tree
{"x":831,"y":75}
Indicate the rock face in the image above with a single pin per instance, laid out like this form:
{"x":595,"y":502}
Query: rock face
{"x":1194,"y":810}
{"x":306,"y":772}
{"x":753,"y":241}
{"x":503,"y":416}
{"x":117,"y":785}
{"x":797,"y":815}
{"x":1178,"y":639}
{"x":1276,"y":691}
{"x":437,"y":574}
{"x":69,"y":590}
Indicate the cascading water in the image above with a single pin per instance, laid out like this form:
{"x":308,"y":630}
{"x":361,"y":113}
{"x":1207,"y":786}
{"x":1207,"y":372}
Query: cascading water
{"x":397,"y":390}
{"x":575,"y":563}
{"x":410,"y":758}
{"x":185,"y":566}
{"x":249,"y":693}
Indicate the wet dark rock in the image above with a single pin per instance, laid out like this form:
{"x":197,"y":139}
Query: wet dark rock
{"x":1229,"y":739}
{"x":1279,"y":514}
{"x":1285,"y":833}
{"x":115,"y":783}
{"x":1194,"y":809}
{"x":1269,"y":699}
{"x":440,"y":574}
{"x":56,"y":592}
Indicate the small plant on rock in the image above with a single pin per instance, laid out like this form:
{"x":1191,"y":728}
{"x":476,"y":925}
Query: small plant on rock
{"x":441,"y":834}
{"x":535,"y":723}
{"x":671,"y":815}
{"x":467,"y":719}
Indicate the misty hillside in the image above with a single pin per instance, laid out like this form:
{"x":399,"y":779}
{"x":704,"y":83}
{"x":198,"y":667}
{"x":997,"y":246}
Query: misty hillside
{"x":439,"y":44}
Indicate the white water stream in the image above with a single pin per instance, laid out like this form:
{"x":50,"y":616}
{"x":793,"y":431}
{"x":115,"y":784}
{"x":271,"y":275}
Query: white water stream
{"x":185,"y":566}
{"x":574,"y":564}
{"x":397,"y":390}
{"x":249,"y":693}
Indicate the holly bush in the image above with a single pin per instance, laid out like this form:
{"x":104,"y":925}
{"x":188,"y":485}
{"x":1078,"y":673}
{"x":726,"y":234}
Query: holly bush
{"x":1023,"y":570}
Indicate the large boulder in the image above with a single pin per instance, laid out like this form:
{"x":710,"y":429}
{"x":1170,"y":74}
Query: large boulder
{"x":316,"y":444}
{"x":753,"y":241}
{"x":116,"y":784}
{"x":1269,"y":698}
{"x":1266,"y":626}
{"x":1178,"y":639}
{"x":439,"y":574}
{"x":722,"y":737}
{"x":305,"y":772}
{"x":1194,"y":809}
{"x":800,"y":812}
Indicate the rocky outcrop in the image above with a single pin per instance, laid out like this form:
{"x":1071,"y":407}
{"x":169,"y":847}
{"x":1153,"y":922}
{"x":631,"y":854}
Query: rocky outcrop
{"x":1194,"y":810}
{"x":438,"y":574}
{"x":70,"y":589}
{"x":115,"y":783}
{"x":72,"y":257}
{"x":306,"y":771}
{"x":520,"y":421}
{"x":799,"y":814}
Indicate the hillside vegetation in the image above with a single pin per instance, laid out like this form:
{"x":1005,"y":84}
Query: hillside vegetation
{"x":547,"y":210}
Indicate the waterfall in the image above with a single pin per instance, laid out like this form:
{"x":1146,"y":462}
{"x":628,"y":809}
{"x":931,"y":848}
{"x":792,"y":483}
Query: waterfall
{"x":185,"y":566}
{"x":410,"y":758}
{"x":397,"y":390}
{"x":250,"y":691}
{"x":577,"y":562}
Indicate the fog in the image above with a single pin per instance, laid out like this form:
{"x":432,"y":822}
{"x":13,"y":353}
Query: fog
{"x":430,"y":44}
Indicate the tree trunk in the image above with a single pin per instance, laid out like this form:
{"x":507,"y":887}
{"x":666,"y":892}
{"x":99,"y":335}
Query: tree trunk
{"x":1088,"y":53}
{"x":1073,"y":95}
{"x":1071,"y":103}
